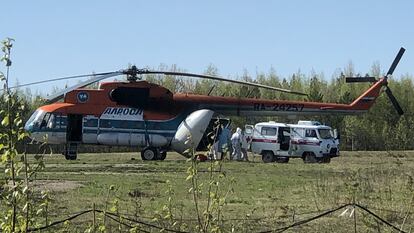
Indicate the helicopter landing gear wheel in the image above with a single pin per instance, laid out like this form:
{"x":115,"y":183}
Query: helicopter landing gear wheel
{"x":149,"y":153}
{"x":162,"y":154}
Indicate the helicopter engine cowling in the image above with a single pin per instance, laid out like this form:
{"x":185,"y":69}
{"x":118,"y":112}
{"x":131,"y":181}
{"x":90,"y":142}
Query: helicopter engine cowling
{"x":191,"y":130}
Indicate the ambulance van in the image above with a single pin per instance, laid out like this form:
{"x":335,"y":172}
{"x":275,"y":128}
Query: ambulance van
{"x":278,"y":142}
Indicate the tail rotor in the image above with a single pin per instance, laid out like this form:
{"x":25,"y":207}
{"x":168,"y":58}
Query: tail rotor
{"x":384,"y":81}
{"x":387,"y":88}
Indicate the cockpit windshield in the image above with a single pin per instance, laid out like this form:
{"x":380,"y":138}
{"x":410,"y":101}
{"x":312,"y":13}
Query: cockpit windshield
{"x":34,"y":120}
{"x":41,"y":120}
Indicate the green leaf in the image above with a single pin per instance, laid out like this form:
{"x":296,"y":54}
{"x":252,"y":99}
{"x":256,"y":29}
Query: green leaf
{"x":25,"y":206}
{"x":18,"y":121}
{"x":5,"y":121}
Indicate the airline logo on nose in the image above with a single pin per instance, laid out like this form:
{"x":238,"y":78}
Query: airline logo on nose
{"x":83,"y":97}
{"x":133,"y":114}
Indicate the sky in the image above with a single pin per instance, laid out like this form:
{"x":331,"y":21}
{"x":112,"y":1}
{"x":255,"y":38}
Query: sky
{"x":63,"y":38}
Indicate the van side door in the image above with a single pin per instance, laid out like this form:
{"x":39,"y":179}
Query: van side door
{"x":268,"y":138}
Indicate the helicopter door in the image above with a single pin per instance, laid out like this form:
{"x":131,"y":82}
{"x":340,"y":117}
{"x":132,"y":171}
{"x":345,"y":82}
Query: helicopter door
{"x":74,"y":128}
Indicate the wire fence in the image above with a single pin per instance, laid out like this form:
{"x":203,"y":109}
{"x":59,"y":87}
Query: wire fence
{"x":138,"y":225}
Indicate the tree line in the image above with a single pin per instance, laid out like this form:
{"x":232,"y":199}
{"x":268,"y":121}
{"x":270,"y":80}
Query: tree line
{"x":379,"y":129}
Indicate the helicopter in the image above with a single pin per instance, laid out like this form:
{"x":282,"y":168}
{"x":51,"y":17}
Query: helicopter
{"x":141,"y":114}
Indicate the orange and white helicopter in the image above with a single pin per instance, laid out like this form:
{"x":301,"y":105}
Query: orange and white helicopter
{"x":141,"y":114}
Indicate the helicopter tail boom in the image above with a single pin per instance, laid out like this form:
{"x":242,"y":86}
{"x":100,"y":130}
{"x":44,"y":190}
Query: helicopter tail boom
{"x":367,"y":99}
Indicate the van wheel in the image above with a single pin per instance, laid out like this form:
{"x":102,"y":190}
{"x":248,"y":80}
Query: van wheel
{"x":149,"y":154}
{"x":309,"y":157}
{"x":268,"y":157}
{"x":326,"y":160}
{"x":282,"y":159}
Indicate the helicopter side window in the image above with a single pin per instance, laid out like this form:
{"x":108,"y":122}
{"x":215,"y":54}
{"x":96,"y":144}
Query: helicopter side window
{"x":124,"y":124}
{"x":137,"y":125}
{"x":59,"y":121}
{"x":63,"y":121}
{"x":91,"y":123}
{"x":106,"y":124}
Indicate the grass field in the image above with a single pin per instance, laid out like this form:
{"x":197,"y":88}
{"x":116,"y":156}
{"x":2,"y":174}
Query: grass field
{"x":263,"y":197}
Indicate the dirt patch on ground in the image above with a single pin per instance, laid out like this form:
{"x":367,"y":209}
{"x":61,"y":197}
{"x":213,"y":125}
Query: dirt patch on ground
{"x":56,"y":185}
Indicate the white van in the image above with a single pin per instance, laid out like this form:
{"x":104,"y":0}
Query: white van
{"x":308,"y":140}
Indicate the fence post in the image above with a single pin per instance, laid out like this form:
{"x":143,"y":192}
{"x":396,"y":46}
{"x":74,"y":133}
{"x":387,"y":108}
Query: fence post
{"x":355,"y":220}
{"x":94,"y":217}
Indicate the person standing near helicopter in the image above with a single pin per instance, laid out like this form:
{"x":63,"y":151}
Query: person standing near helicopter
{"x":223,"y":141}
{"x":245,"y":141}
{"x":236,"y":144}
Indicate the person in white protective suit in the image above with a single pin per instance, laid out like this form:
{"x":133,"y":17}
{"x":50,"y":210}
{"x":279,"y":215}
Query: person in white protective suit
{"x":244,"y":146}
{"x":236,"y":144}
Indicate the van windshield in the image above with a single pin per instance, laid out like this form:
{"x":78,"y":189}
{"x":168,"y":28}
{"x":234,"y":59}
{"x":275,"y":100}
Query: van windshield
{"x":325,"y":133}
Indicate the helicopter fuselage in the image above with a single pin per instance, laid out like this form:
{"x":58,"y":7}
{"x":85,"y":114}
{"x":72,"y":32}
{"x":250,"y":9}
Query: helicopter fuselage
{"x":143,"y":114}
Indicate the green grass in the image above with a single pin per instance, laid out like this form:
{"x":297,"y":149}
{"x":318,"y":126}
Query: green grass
{"x":276,"y":194}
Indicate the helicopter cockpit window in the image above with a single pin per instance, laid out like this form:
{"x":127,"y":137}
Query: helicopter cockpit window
{"x":51,"y":123}
{"x":35,"y":120}
{"x":45,"y":119}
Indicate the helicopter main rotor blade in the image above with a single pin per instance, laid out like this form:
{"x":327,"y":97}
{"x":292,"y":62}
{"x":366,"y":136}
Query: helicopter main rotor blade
{"x":396,"y":61}
{"x":219,"y":79}
{"x":59,"y":95}
{"x":58,"y":79}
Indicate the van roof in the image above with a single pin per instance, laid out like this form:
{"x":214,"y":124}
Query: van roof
{"x":272,"y":123}
{"x":276,"y":124}
{"x":310,"y":126}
